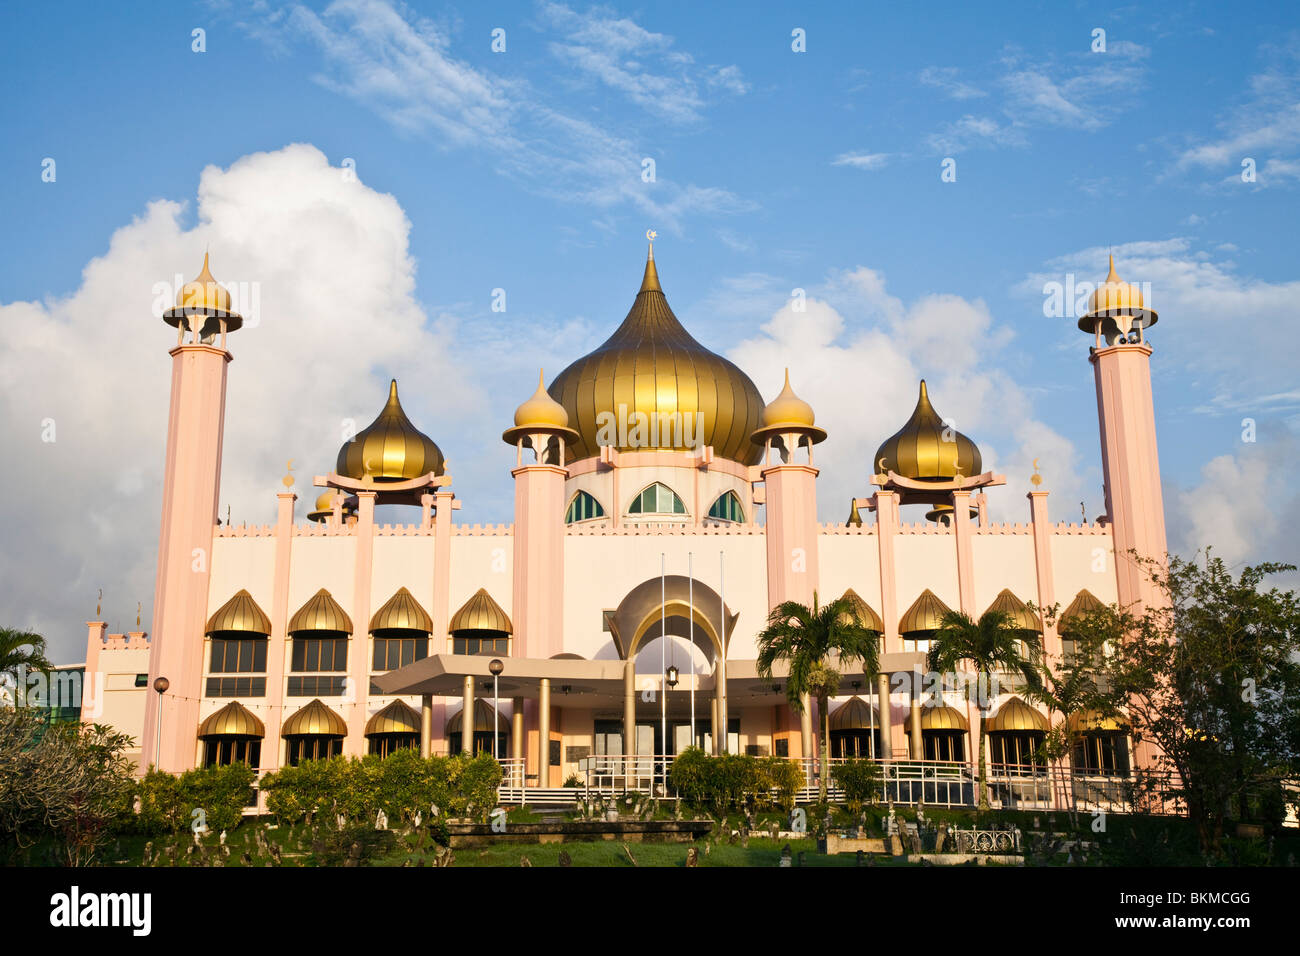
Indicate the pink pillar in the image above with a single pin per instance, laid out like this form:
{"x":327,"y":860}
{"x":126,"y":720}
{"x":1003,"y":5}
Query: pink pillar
{"x":965,"y":563}
{"x":444,"y":504}
{"x":273,"y":713}
{"x":354,"y":704}
{"x":538,"y":586}
{"x":1043,"y":568}
{"x":191,"y":484}
{"x":792,"y":540}
{"x":1130,"y":464}
{"x":886,"y":530}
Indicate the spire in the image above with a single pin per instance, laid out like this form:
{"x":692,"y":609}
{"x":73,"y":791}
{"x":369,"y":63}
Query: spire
{"x":650,"y":283}
{"x":392,"y":394}
{"x":1113,"y":276}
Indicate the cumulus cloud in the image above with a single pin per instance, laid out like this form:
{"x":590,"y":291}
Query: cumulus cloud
{"x":857,"y":354}
{"x":336,"y":317}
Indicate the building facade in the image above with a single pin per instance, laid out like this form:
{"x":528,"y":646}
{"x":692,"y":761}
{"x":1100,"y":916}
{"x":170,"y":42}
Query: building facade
{"x":661,"y":511}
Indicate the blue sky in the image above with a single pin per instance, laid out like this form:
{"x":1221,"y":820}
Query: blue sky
{"x":774,"y":170}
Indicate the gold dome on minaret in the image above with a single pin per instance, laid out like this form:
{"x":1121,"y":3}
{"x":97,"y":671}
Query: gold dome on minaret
{"x":651,"y":366}
{"x":788,"y":409}
{"x":1115,"y":300}
{"x":390,"y":448}
{"x":925,"y":449}
{"x":204,"y":292}
{"x":541,"y":409}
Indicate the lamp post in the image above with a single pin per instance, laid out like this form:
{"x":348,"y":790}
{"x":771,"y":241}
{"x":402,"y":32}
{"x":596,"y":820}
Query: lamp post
{"x":496,"y":667}
{"x":160,"y":684}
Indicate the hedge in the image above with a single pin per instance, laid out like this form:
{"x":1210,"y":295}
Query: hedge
{"x":168,"y":802}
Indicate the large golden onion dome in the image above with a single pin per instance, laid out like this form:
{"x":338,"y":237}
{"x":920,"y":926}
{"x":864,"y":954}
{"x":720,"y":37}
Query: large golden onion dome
{"x":203,"y":293}
{"x":652,"y":368}
{"x":390,"y":448}
{"x":925,"y":449}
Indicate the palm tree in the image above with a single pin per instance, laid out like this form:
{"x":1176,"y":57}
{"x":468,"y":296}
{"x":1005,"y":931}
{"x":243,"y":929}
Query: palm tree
{"x":1071,"y":688}
{"x":806,"y":638}
{"x":20,"y":652}
{"x":991,"y":645}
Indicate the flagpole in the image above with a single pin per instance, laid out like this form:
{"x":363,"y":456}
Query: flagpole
{"x":690,"y":573}
{"x":663,"y":659}
{"x":722,"y":602}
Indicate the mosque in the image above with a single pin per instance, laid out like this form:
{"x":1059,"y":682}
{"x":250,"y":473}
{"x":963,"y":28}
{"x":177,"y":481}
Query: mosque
{"x":661,"y":509}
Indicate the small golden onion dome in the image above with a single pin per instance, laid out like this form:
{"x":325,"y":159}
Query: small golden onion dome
{"x":863,"y":611}
{"x":652,"y":387}
{"x":1084,"y":603}
{"x":854,"y":714}
{"x":390,"y":448}
{"x":324,"y":506}
{"x":926,"y":449}
{"x":401,"y":612}
{"x":855,"y":518}
{"x":484,"y":718}
{"x":1114,"y":300}
{"x":1091,"y":721}
{"x":240,"y":615}
{"x":481,"y":613}
{"x":942,"y":514}
{"x":321,"y":613}
{"x":397,"y":718}
{"x":1016,"y":715}
{"x":314,"y":720}
{"x":787,"y":413}
{"x":941,"y":717}
{"x":204,"y":292}
{"x":541,"y":409}
{"x":788,"y":408}
{"x":925,"y":615}
{"x":1017,"y":611}
{"x":233,"y":720}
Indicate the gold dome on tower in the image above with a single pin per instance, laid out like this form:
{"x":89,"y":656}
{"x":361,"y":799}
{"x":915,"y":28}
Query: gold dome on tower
{"x":788,"y":409}
{"x":927,"y":449}
{"x":204,"y":292}
{"x":1118,"y":304}
{"x":541,"y":409}
{"x":652,"y":386}
{"x":390,"y":448}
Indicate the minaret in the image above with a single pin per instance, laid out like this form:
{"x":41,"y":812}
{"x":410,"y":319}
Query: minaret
{"x":1121,"y":358}
{"x":191,"y":482}
{"x":790,"y":490}
{"x":541,"y":425}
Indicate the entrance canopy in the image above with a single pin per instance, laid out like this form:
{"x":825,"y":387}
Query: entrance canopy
{"x":667,"y":604}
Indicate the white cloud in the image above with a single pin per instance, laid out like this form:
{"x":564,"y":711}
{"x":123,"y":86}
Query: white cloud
{"x":1266,"y":120}
{"x":402,"y":68}
{"x":861,"y":375}
{"x":974,"y":132}
{"x":867,"y":161}
{"x":338,"y":317}
{"x":945,"y":79}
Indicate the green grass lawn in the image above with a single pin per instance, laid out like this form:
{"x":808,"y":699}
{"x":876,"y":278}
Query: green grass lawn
{"x":1126,"y":840}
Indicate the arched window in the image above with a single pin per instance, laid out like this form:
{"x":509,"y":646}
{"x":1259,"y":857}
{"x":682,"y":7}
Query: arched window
{"x":583,"y":507}
{"x":657,"y":499}
{"x":727,"y":508}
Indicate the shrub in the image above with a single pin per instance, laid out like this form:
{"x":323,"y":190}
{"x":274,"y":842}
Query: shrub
{"x":689,"y":776}
{"x":168,"y":802}
{"x":402,"y":785}
{"x":780,"y":780}
{"x":859,"y":778}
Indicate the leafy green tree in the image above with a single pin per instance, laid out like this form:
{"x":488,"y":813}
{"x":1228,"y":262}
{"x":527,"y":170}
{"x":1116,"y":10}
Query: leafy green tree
{"x":70,"y":782}
{"x":990,"y":646}
{"x":814,"y":642}
{"x":1210,"y":677}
